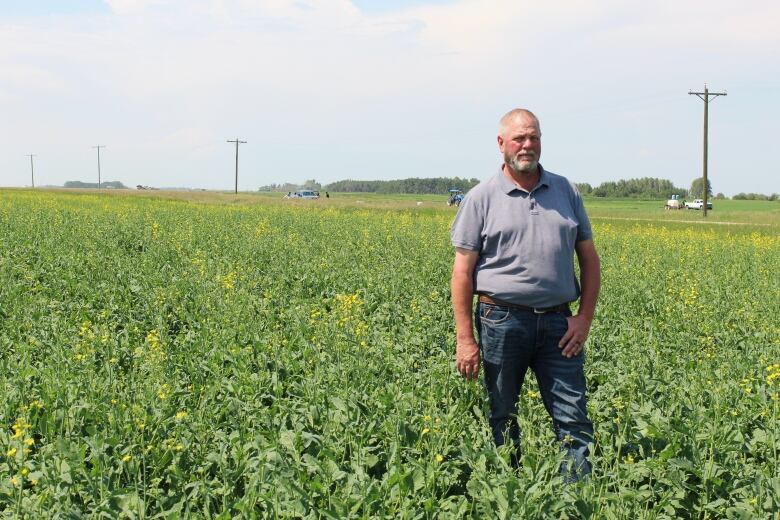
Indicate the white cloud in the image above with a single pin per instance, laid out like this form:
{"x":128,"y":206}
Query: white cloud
{"x":125,"y":7}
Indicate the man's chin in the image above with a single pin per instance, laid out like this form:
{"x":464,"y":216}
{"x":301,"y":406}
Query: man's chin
{"x":525,"y":167}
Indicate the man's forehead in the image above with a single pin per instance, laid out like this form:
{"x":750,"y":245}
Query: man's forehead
{"x":522,"y":125}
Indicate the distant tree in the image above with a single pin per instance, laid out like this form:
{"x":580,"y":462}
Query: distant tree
{"x":93,"y":185}
{"x":312,"y":184}
{"x":437,"y":185}
{"x":697,"y":189}
{"x":606,"y":189}
{"x":755,"y":196}
{"x":720,"y":196}
{"x":584,"y":188}
{"x":284,"y":188}
{"x":644,"y":188}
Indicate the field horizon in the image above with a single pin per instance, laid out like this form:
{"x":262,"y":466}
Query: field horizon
{"x":725,"y":212}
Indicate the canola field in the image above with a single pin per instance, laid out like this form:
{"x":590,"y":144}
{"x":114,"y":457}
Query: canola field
{"x":170,"y":359}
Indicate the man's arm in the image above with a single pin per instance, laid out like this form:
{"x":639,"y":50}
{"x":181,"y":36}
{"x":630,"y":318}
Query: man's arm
{"x":462,"y":286}
{"x":590,"y":283}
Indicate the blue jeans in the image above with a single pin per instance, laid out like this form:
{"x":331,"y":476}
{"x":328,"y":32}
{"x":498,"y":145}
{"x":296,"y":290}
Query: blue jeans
{"x":513,"y":340}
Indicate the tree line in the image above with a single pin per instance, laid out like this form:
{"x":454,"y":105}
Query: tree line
{"x":644,"y":188}
{"x":434,"y":185}
{"x":756,"y":196}
{"x":87,"y":185}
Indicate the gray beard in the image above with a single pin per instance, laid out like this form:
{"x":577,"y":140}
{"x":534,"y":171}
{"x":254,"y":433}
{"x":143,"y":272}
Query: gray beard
{"x":519,"y":167}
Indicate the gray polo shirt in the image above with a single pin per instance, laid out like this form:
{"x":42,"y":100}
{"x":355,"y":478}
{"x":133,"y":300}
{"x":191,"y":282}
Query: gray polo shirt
{"x":525,"y":239}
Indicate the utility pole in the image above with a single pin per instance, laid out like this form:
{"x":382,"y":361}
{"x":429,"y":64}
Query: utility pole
{"x":32,"y":168}
{"x":98,"y":150}
{"x":705,"y":96}
{"x":237,"y":143}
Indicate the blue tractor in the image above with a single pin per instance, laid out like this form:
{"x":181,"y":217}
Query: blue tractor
{"x":456,"y":197}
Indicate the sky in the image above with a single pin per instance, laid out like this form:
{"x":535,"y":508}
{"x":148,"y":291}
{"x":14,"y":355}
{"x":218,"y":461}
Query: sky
{"x":379,"y":89}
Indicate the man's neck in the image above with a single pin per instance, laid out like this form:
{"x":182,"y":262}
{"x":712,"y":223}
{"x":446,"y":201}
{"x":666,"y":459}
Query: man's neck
{"x":524,"y":180}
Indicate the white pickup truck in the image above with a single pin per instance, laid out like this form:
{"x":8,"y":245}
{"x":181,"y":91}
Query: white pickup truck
{"x":697,"y":204}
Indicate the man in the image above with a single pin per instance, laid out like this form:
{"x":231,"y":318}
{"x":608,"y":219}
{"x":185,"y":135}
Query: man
{"x":515,"y":236}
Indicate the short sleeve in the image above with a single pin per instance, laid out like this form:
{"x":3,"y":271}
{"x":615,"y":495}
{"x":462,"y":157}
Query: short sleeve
{"x":584,"y":231}
{"x":467,"y":227}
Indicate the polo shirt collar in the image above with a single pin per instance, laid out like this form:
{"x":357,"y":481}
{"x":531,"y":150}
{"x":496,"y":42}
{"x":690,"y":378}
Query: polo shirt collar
{"x":508,"y":186}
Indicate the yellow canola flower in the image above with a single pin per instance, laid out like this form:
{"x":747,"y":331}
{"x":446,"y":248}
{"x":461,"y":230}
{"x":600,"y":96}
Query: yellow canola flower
{"x":19,"y":428}
{"x":773,"y":373}
{"x":164,"y":392}
{"x":181,"y":415}
{"x":85,"y":329}
{"x":11,"y":452}
{"x":439,"y":458}
{"x":229,"y":280}
{"x":153,"y":338}
{"x":127,"y":458}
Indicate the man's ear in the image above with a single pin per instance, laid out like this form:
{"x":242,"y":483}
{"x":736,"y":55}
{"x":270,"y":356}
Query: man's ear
{"x":501,"y":143}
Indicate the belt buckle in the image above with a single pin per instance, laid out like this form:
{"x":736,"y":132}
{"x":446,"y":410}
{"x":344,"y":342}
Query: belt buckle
{"x":540,"y":311}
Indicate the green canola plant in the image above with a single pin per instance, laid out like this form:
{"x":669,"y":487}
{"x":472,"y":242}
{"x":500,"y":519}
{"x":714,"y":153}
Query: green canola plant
{"x":172,"y":359}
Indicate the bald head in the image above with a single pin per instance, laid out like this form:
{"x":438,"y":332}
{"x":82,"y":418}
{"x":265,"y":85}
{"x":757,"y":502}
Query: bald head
{"x":515,"y":115}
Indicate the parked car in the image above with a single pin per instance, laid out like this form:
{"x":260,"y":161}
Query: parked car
{"x":697,"y":204}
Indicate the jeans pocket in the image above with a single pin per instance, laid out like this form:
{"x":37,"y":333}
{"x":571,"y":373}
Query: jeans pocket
{"x":493,"y":314}
{"x":507,"y":338}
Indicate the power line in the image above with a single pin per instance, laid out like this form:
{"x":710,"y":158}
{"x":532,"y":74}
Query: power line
{"x":32,"y":168}
{"x":98,"y":155}
{"x":705,"y":96}
{"x":236,"y":140}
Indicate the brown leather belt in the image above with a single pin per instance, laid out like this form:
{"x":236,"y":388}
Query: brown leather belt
{"x":483,"y":298}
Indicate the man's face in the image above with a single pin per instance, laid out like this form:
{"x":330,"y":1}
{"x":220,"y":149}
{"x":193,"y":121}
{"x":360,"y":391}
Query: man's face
{"x":521,"y":144}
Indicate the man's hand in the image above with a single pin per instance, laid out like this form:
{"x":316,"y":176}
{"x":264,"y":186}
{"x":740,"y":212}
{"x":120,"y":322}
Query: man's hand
{"x":574,"y":340}
{"x":467,"y":358}
{"x":590,"y":281}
